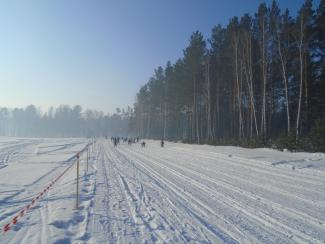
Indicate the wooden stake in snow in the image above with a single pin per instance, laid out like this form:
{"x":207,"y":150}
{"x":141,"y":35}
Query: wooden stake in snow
{"x":87,"y":157}
{"x":77,"y":195}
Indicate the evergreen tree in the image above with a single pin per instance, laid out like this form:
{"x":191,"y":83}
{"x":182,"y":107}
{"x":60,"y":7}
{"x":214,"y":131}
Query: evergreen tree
{"x":194,"y":59}
{"x":261,"y":77}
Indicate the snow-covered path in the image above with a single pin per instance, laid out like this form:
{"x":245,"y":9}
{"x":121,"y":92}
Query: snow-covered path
{"x":185,"y":193}
{"x":177,"y":194}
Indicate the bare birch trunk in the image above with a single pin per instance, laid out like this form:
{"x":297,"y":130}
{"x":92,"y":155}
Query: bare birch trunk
{"x":209,"y":129}
{"x":263,"y":122}
{"x":285,"y":81}
{"x":165,"y":121}
{"x":238,"y":88}
{"x":249,"y":79}
{"x":301,"y":75}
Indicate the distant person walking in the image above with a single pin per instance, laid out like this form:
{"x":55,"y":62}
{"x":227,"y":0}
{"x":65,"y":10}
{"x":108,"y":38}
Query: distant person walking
{"x":162,"y":143}
{"x":143,"y":144}
{"x":115,"y":141}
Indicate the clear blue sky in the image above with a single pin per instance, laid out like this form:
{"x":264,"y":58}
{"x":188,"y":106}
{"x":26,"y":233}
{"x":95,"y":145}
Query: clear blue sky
{"x":98,"y":53}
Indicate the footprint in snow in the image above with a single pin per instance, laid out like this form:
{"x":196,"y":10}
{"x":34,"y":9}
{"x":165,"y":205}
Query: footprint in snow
{"x":63,"y":241}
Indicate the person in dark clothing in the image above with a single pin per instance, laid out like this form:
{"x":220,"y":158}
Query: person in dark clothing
{"x":162,"y":143}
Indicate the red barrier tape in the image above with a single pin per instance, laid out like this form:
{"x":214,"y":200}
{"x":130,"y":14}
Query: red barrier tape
{"x":22,"y":212}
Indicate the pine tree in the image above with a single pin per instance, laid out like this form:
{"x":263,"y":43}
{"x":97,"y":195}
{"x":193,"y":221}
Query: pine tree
{"x":194,"y":59}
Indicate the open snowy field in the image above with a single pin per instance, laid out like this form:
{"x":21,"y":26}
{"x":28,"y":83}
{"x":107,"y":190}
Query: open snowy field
{"x":27,"y":166}
{"x":176,"y":194}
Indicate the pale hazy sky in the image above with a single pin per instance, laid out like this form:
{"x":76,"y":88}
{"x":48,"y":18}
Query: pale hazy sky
{"x":98,"y":53}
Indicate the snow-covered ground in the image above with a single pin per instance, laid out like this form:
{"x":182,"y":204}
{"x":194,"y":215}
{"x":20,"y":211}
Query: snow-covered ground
{"x":176,"y":194}
{"x":29,"y":165}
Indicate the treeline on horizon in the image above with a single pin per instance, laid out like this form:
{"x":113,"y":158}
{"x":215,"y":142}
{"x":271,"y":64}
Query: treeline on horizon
{"x":63,"y":121}
{"x":258,"y":81}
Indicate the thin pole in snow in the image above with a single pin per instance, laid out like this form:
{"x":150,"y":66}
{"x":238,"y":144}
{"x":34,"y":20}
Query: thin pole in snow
{"x":87,"y":157}
{"x":77,"y":198}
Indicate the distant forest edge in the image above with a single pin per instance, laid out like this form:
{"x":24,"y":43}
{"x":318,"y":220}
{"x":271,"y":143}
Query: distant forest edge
{"x":63,"y":121}
{"x":259,"y":81}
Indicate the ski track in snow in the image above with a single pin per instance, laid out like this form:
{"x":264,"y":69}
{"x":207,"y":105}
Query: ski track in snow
{"x":198,"y":196}
{"x":176,"y":194}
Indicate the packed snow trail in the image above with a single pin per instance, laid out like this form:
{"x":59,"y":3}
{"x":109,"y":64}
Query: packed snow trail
{"x":176,"y":194}
{"x":185,"y":193}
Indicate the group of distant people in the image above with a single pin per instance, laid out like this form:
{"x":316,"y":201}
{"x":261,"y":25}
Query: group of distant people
{"x":115,"y":140}
{"x":130,"y":140}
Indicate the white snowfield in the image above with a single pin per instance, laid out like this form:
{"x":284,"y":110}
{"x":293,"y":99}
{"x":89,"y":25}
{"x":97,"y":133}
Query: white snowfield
{"x":176,"y":194}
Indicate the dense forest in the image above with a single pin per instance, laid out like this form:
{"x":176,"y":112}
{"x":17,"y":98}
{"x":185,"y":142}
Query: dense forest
{"x":258,"y":81}
{"x":64,"y":121}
